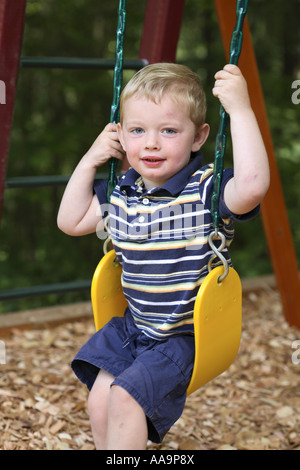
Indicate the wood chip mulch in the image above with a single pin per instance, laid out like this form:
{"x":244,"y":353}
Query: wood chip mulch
{"x":253,"y":405}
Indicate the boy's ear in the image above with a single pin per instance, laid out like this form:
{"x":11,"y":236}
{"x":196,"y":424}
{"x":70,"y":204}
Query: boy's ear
{"x":120,"y":135}
{"x":200,"y":137}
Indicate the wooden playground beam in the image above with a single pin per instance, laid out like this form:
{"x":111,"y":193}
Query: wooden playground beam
{"x":11,"y":31}
{"x":273,"y":209}
{"x":161,"y":31}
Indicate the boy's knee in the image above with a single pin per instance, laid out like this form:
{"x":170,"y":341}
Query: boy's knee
{"x":99,"y":395}
{"x":95,"y":407}
{"x":121,"y":402}
{"x":119,"y":395}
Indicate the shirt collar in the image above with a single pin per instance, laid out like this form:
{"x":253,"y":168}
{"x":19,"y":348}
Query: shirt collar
{"x":132,"y":179}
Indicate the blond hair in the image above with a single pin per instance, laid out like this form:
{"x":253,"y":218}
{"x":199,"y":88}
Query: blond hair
{"x":178,"y":81}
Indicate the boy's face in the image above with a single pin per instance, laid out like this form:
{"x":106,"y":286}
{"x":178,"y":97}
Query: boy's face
{"x":158,"y":138}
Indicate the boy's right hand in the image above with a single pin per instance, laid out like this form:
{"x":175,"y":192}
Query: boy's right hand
{"x":79,"y":209}
{"x":106,"y":146}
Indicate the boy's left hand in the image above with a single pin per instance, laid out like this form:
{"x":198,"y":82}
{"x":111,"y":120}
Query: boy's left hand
{"x":231,"y":89}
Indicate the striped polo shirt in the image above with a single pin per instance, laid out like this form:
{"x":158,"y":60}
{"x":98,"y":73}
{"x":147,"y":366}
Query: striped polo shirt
{"x":161,"y":239}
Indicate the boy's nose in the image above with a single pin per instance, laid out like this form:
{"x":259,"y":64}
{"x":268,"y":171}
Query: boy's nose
{"x":152,"y":141}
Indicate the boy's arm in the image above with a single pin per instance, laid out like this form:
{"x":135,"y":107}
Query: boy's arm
{"x":251,"y":168}
{"x":79,"y":211}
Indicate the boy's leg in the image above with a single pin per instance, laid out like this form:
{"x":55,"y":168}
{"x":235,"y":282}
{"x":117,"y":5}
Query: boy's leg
{"x":118,"y":422}
{"x":127,"y":424}
{"x":98,"y":408}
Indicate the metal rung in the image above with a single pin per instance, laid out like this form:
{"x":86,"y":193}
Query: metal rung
{"x":78,"y":63}
{"x":40,"y":181}
{"x":45,"y":290}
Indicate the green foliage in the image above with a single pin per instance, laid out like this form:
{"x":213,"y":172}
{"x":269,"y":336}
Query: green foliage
{"x":59,"y":113}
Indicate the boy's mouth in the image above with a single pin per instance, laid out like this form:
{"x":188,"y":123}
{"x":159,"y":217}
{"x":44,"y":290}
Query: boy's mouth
{"x":149,"y":159}
{"x":152,"y":161}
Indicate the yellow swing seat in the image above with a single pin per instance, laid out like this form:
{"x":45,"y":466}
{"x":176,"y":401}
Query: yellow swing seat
{"x":217,"y":316}
{"x":108,"y":300}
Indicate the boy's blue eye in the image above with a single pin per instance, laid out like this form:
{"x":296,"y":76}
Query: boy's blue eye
{"x":169,"y":131}
{"x":138,"y":130}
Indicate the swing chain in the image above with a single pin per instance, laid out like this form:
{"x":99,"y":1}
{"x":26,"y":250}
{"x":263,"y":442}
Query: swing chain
{"x":237,"y":35}
{"x":108,"y":239}
{"x":105,"y":245}
{"x":220,"y":146}
{"x":118,"y":78}
{"x":216,"y":235}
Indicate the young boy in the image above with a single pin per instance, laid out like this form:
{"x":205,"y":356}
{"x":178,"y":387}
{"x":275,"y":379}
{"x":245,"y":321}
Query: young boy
{"x":138,"y":367}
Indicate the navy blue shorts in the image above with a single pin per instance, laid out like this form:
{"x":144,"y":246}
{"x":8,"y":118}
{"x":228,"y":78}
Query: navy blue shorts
{"x":155,"y":373}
